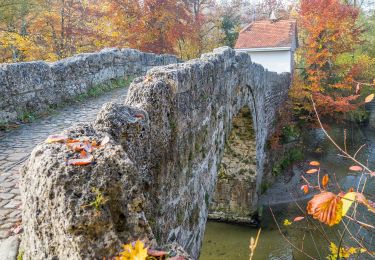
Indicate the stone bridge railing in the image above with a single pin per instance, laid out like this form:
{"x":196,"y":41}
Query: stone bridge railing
{"x":158,"y":171}
{"x":33,"y":86}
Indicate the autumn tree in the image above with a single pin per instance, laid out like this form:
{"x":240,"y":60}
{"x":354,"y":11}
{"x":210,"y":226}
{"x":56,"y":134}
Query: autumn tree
{"x":15,"y":43}
{"x":329,"y":30}
{"x":150,"y":25}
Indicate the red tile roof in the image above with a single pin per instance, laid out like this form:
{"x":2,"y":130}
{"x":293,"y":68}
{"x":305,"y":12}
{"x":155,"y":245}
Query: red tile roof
{"x":267,"y":34}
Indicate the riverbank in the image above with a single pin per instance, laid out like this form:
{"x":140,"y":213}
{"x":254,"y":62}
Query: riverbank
{"x":285,"y":197}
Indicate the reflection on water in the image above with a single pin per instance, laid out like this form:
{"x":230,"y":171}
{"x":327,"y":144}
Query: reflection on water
{"x":226,"y":241}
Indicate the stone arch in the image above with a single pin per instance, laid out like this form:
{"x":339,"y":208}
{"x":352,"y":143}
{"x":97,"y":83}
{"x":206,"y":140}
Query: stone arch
{"x":166,"y":143}
{"x":234,"y":196}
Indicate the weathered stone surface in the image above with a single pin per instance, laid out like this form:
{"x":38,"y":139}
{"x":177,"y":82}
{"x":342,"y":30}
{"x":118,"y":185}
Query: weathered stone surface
{"x":9,"y":248}
{"x":60,"y":207}
{"x":235,"y":187}
{"x":33,"y":86}
{"x":160,"y":168}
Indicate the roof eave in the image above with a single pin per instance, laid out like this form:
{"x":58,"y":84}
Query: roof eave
{"x":265,"y":49}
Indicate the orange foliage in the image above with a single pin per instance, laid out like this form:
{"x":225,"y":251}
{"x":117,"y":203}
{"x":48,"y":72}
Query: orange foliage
{"x":330,"y":30}
{"x":52,"y":30}
{"x":150,"y":25}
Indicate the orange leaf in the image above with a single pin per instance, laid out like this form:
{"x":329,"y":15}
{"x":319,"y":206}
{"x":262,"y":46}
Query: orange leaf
{"x":83,"y":154}
{"x":70,"y":141}
{"x":326,"y":207}
{"x":298,"y":219}
{"x":355,"y":168}
{"x":311,"y":171}
{"x":77,"y":147}
{"x":325,"y":181}
{"x":369,"y":98}
{"x":80,"y":162}
{"x":305,"y":188}
{"x":314,"y":163}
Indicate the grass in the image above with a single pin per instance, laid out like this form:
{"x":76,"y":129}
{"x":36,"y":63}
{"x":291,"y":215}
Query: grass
{"x":292,"y":156}
{"x":101,"y":89}
{"x":99,"y":201}
{"x":29,"y":116}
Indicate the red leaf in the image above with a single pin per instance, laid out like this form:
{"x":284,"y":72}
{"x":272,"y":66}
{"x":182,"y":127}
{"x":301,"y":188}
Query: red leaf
{"x":296,"y":219}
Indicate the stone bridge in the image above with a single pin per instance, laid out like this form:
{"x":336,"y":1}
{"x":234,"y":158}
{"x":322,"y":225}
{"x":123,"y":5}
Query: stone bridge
{"x":158,"y":171}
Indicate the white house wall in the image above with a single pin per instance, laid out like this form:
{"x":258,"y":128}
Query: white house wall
{"x":278,"y":61}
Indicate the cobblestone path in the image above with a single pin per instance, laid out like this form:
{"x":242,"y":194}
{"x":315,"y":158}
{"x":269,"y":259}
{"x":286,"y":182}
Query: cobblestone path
{"x":16,"y":145}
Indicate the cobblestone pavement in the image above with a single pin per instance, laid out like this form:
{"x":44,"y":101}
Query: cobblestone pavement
{"x":16,"y":145}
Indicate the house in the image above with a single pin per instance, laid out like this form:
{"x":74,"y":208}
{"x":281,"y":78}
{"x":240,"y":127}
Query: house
{"x":271,"y":43}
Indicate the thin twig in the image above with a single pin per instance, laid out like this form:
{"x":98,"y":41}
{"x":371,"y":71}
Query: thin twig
{"x":321,"y":231}
{"x":335,"y":144}
{"x":359,"y":149}
{"x":287,"y":240}
{"x":360,"y":222}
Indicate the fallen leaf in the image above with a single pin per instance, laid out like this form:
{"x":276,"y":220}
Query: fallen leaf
{"x":88,"y":147}
{"x":139,"y":116}
{"x":83,"y":154}
{"x":355,"y":168}
{"x":305,"y":188}
{"x":56,"y":139}
{"x":311,"y":171}
{"x":326,"y":207}
{"x":325,"y":181}
{"x":296,"y":219}
{"x":136,"y":251}
{"x":369,"y":98}
{"x":70,"y":141}
{"x":82,"y":161}
{"x":77,"y":146}
{"x":314,"y":163}
{"x":156,"y":253}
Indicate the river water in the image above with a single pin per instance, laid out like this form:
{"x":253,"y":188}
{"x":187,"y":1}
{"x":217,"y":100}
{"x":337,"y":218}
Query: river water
{"x":231,"y":242}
